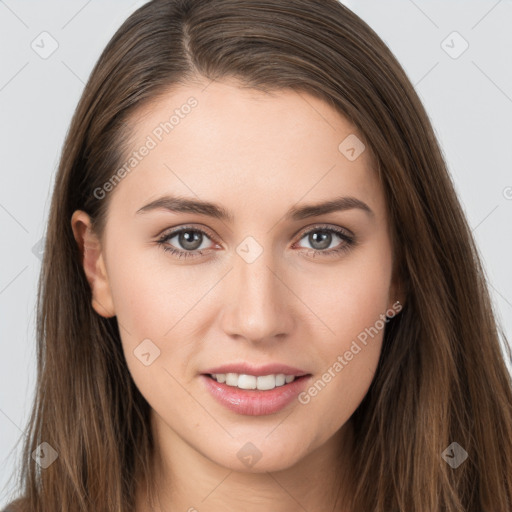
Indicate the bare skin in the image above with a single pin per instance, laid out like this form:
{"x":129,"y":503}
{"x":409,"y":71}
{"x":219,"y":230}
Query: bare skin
{"x":257,"y":155}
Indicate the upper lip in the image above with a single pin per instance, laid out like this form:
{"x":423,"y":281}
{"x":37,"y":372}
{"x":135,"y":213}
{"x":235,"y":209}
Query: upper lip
{"x":249,"y":369}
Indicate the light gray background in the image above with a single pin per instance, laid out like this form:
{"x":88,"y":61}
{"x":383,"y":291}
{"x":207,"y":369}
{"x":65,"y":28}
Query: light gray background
{"x":469,"y":99}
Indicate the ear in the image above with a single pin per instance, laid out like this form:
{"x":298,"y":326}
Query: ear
{"x":93,"y":262}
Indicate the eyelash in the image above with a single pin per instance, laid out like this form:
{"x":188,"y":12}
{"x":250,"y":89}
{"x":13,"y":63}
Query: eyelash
{"x":349,"y":242}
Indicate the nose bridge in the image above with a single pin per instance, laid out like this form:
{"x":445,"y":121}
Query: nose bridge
{"x":257,"y":309}
{"x":256,"y":280}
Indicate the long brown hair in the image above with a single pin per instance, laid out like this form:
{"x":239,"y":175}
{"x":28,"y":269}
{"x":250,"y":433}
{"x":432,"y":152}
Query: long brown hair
{"x":441,"y":377}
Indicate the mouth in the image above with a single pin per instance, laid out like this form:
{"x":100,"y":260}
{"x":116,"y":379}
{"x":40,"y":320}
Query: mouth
{"x":255,"y":396}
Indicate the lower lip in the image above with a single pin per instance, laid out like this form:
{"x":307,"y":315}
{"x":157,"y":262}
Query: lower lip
{"x":253,"y":402}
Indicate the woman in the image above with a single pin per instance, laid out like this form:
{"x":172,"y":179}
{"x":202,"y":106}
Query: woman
{"x":193,"y":354}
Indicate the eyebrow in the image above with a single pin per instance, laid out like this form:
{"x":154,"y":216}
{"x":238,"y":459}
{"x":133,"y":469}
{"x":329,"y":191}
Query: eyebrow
{"x":188,"y":205}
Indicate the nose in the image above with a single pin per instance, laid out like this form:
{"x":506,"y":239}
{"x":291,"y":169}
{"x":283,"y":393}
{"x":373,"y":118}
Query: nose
{"x":257,"y":303}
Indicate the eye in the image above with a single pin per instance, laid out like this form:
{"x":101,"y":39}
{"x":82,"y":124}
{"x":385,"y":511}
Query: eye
{"x":190,"y":239}
{"x":321,"y":237}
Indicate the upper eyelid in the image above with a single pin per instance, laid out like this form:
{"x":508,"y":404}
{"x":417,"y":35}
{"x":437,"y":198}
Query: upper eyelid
{"x":327,"y":227}
{"x":175,"y":231}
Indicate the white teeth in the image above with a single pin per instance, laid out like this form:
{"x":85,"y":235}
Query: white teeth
{"x":262,"y":383}
{"x":231,"y":379}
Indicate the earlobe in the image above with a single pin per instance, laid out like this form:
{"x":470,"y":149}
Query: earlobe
{"x":92,"y":259}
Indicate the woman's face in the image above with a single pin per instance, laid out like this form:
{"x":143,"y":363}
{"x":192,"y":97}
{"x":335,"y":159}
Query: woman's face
{"x":276,"y":282}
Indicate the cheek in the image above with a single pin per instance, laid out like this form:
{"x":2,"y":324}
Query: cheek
{"x":149,"y":293}
{"x":350,"y":350}
{"x":137,"y":299}
{"x":351,"y":296}
{"x":151,"y":307}
{"x":353,"y":307}
{"x":159,"y":301}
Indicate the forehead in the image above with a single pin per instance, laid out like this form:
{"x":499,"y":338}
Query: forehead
{"x":226,"y":143}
